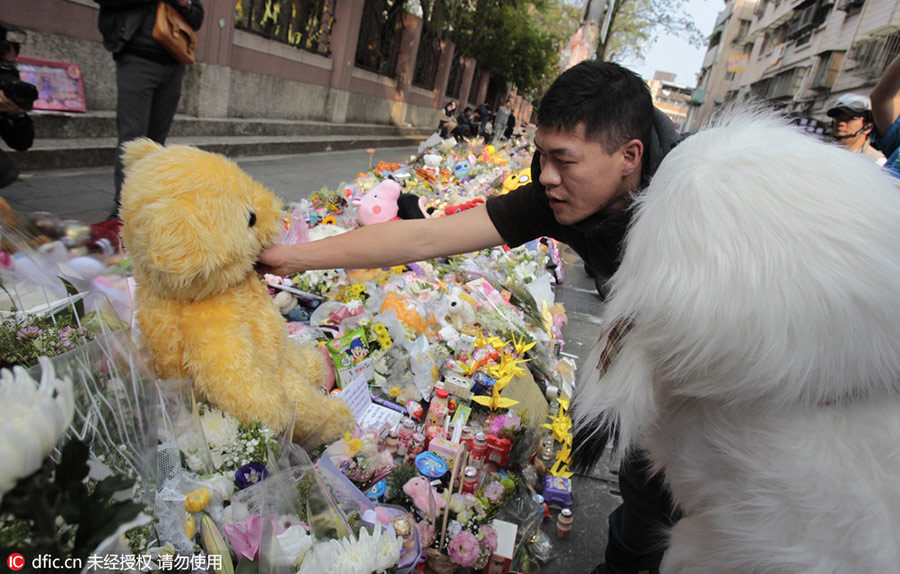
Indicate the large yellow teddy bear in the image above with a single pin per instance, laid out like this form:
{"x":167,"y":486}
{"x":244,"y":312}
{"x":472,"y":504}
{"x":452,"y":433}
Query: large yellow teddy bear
{"x":193,"y":224}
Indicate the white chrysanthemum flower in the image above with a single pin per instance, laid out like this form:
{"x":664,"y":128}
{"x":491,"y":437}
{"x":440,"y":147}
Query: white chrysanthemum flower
{"x":388,"y":547}
{"x":221,"y":433}
{"x":363,"y":555}
{"x":35,"y":416}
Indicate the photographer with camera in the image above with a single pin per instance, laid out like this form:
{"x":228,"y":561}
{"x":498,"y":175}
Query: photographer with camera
{"x":16,"y":98}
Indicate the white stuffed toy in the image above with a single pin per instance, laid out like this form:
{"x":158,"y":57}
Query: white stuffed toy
{"x":757,"y":312}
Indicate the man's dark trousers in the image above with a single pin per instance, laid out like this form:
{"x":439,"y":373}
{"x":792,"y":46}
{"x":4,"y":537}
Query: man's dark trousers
{"x":147,"y":99}
{"x":637,"y":528}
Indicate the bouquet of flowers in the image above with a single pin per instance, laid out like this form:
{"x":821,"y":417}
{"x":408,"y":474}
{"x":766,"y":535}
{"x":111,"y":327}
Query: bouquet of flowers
{"x":76,"y":499}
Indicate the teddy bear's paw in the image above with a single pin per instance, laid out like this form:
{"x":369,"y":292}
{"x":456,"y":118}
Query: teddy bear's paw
{"x":324,"y":425}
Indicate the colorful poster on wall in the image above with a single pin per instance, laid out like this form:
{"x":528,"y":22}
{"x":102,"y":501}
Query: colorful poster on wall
{"x":58,"y":83}
{"x":738,"y":62}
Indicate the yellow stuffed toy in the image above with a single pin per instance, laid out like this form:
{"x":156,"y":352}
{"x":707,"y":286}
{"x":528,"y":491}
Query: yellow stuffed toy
{"x":193,"y":223}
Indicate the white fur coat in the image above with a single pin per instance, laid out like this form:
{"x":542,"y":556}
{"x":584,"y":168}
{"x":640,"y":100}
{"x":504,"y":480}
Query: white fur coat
{"x":762,"y":275}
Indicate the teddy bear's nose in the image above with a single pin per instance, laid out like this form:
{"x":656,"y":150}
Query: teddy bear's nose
{"x":252,"y":219}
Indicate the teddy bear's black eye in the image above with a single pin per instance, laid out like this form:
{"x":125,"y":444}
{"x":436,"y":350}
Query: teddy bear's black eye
{"x":252,"y":219}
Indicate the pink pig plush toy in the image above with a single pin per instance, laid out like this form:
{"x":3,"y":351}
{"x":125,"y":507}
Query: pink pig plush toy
{"x":417,"y":488}
{"x":379,"y":204}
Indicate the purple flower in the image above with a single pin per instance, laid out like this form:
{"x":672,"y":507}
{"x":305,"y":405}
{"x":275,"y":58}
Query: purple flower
{"x":250,"y":474}
{"x":464,"y":549}
{"x":27,"y":332}
{"x":64,"y":337}
{"x":494,"y":492}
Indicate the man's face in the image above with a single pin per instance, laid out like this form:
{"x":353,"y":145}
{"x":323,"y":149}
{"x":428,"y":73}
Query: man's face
{"x":580,"y":176}
{"x":844,"y":123}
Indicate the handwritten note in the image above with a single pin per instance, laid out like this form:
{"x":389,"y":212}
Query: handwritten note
{"x":367,"y":414}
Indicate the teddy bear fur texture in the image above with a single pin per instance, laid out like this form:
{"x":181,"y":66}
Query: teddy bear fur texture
{"x":193,"y":223}
{"x":761,"y":275}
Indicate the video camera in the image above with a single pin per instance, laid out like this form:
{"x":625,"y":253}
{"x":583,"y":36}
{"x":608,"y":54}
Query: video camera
{"x":21,"y":93}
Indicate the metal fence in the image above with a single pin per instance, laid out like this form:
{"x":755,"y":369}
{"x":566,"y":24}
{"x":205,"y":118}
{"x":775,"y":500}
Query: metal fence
{"x":304,"y":24}
{"x":379,"y":36}
{"x":429,"y":54}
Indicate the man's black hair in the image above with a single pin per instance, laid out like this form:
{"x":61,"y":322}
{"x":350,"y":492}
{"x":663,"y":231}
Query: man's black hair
{"x":612,"y":102}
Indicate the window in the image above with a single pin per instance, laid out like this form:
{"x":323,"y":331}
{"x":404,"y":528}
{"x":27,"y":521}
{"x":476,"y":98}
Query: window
{"x":807,"y":16}
{"x":743,"y":30}
{"x":827,"y":66}
{"x":872,"y":55}
{"x":780,"y":86}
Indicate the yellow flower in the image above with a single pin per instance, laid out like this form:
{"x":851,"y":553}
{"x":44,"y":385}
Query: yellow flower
{"x":330,"y":220}
{"x":196,"y":500}
{"x":189,"y":526}
{"x":354,"y":445}
{"x":394,"y":392}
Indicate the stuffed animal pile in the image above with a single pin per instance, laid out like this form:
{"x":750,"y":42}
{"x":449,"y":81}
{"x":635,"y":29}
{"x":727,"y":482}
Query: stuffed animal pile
{"x":194,"y":224}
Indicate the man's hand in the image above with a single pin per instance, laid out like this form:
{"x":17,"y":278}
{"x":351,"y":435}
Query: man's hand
{"x":275,"y":260}
{"x":8,"y":107}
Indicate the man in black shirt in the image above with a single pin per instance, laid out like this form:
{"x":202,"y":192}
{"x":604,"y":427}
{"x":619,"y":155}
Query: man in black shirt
{"x":148,"y":79}
{"x":599,"y":140}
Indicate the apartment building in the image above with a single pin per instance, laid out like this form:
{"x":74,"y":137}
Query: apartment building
{"x":726,"y":61}
{"x":670,"y":98}
{"x":803,"y":53}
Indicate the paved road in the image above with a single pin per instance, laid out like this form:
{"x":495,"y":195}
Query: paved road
{"x":87,"y":195}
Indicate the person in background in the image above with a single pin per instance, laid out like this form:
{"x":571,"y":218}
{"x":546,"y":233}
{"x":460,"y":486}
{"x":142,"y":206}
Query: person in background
{"x":448,"y":122}
{"x":16,"y":97}
{"x":599,"y":140}
{"x":501,"y":119}
{"x":510,"y":126}
{"x":851,"y":124}
{"x":148,"y":79}
{"x":466,"y":127}
{"x":885,"y":99}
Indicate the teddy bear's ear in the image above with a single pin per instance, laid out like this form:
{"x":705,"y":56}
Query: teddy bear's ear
{"x":138,"y":149}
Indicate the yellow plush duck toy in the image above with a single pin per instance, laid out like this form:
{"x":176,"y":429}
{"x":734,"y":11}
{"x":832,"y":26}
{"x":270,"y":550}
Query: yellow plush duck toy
{"x":193,"y":224}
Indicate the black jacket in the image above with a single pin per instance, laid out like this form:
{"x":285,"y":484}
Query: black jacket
{"x":127,"y":26}
{"x":17,"y":131}
{"x":525,"y":214}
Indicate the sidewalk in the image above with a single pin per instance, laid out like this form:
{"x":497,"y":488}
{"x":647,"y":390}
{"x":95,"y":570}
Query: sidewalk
{"x":87,"y":194}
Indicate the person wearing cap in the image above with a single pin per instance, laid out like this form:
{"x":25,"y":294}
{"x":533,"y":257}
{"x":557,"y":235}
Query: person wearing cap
{"x":16,"y":127}
{"x":886,"y":115}
{"x":851,"y":124}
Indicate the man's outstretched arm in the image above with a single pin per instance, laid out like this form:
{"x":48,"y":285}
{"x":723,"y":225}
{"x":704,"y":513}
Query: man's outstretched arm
{"x":387,"y":244}
{"x":886,"y":98}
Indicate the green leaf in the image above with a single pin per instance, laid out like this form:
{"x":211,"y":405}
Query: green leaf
{"x":246,"y":566}
{"x":71,"y":291}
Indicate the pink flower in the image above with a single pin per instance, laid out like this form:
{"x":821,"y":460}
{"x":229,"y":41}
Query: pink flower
{"x":246,"y":535}
{"x":463,"y":549}
{"x":488,"y":538}
{"x":494,"y":492}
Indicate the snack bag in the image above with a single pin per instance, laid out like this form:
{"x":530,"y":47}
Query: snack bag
{"x":350,"y":355}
